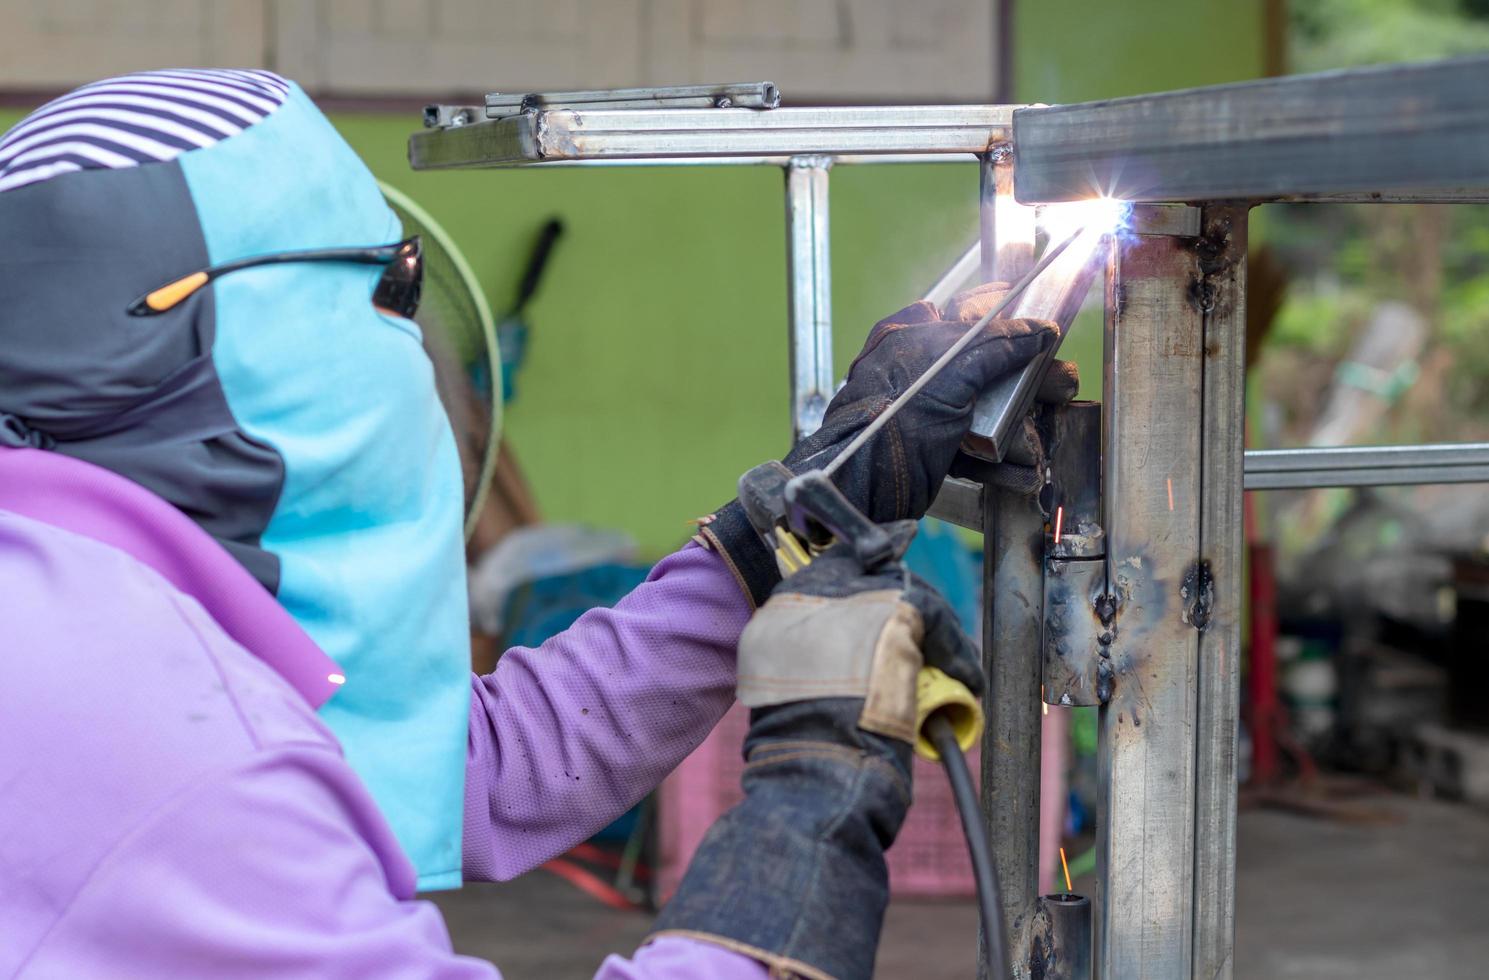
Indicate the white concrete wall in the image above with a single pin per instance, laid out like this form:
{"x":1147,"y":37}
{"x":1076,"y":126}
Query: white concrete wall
{"x":922,"y":50}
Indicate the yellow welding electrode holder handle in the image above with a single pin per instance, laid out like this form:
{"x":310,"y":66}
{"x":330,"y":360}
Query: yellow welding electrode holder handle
{"x":936,"y":692}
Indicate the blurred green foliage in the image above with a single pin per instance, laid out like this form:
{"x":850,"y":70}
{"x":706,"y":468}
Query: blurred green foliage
{"x":1342,"y":33}
{"x":1344,"y":260}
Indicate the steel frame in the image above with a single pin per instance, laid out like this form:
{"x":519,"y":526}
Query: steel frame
{"x":1172,"y":457}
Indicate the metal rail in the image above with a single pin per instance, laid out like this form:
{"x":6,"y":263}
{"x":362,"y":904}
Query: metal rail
{"x":1400,"y":132}
{"x":1360,"y":466}
{"x":1302,"y":469}
{"x":809,"y":291}
{"x":613,"y":134}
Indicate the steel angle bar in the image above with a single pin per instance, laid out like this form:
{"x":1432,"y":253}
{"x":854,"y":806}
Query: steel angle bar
{"x":603,"y":134}
{"x":1405,"y":129}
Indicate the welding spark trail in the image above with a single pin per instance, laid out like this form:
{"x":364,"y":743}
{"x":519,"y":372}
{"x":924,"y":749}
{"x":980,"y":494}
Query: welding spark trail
{"x":1068,"y":887}
{"x":1059,"y":521}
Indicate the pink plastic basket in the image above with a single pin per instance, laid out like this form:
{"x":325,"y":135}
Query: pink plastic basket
{"x":928,"y":860}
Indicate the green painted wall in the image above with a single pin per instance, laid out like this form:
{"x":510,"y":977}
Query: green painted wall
{"x":657,"y":364}
{"x":1078,"y":51}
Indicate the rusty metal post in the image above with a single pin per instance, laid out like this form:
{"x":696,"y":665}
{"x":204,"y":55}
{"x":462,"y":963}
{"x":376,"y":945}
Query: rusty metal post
{"x":1152,"y":434}
{"x":1013,"y":548}
{"x":1222,"y":263}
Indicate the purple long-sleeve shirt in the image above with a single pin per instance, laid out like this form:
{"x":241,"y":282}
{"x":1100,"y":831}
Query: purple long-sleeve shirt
{"x":171,"y":805}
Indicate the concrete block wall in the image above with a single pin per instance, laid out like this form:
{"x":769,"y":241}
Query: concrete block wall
{"x":930,"y":50}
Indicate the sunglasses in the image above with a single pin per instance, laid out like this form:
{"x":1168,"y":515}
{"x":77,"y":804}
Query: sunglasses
{"x":397,"y":290}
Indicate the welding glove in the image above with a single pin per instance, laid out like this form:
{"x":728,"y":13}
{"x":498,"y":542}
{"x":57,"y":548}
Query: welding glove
{"x":794,"y":875}
{"x":1025,"y":465}
{"x":900,"y":471}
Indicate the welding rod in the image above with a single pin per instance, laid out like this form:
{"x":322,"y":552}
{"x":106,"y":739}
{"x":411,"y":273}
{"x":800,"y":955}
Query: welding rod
{"x":1049,"y":256}
{"x":739,"y":95}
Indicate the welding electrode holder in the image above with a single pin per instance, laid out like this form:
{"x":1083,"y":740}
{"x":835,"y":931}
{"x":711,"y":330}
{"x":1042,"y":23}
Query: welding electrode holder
{"x":799,"y":516}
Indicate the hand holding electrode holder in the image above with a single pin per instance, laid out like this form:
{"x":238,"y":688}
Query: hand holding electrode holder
{"x":801,"y":516}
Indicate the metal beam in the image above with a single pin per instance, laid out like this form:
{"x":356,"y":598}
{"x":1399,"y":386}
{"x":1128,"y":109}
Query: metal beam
{"x":1415,"y":131}
{"x":1340,"y":466}
{"x":1013,"y":615}
{"x":1356,"y":466}
{"x":809,"y":292}
{"x":1217,"y":592}
{"x":609,"y":134}
{"x":1152,"y":433}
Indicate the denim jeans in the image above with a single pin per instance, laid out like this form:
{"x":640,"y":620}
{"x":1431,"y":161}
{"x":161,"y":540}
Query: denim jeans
{"x":795,"y":874}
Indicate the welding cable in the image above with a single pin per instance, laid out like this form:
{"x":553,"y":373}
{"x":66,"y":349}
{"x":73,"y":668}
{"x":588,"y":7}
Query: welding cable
{"x":989,"y":902}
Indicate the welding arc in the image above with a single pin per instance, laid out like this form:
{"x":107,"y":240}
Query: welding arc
{"x":1050,"y":254}
{"x":989,"y":903}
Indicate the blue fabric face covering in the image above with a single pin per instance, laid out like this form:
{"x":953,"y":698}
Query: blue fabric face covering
{"x":281,"y":411}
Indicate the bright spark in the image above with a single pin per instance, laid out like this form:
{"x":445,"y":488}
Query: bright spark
{"x":336,"y":678}
{"x":1098,"y":215}
{"x":1059,"y":521}
{"x":1170,"y":493}
{"x":1069,"y":889}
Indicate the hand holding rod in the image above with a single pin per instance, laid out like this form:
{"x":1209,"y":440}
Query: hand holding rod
{"x":858,"y":442}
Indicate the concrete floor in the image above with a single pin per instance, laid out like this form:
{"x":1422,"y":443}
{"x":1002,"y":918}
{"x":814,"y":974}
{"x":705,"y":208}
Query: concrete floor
{"x":1315,"y":899}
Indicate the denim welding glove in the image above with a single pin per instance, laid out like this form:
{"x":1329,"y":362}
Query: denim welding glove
{"x":794,"y":876}
{"x":1025,"y":465}
{"x":899,"y":472}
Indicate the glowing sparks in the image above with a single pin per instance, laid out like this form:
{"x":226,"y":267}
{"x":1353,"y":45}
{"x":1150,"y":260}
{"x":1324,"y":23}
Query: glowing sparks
{"x":1043,"y":704}
{"x":336,"y":678}
{"x":1069,"y":889}
{"x":1170,"y":482}
{"x":1099,"y":215}
{"x":1060,"y":521}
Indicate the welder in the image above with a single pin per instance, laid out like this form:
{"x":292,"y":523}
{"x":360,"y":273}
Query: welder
{"x":239,"y":726}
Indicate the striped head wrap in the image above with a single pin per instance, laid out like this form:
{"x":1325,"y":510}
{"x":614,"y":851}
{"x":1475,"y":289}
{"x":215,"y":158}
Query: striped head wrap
{"x":147,"y":117}
{"x":276,"y":407}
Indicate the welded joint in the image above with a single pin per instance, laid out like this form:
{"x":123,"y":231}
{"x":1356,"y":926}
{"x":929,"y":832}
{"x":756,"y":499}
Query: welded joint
{"x":1078,"y":632}
{"x":1218,"y":251}
{"x":1197,"y":593}
{"x":810,"y":161}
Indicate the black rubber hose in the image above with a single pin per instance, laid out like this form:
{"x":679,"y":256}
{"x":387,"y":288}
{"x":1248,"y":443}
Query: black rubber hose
{"x":989,"y":903}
